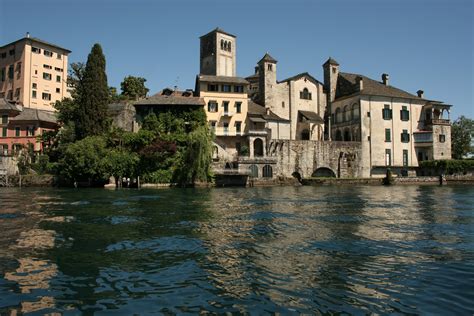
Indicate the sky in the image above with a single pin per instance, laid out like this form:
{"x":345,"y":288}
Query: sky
{"x":421,"y":44}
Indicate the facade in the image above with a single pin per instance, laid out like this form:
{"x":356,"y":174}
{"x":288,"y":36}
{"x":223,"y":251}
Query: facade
{"x":20,"y":127}
{"x":299,"y":99}
{"x":33,"y":73}
{"x":396,"y":129}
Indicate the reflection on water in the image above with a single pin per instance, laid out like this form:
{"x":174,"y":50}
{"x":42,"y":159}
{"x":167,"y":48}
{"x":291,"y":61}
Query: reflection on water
{"x":357,"y":250}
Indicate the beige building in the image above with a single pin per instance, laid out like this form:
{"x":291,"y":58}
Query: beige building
{"x":33,"y":73}
{"x":300,"y":100}
{"x":396,"y":129}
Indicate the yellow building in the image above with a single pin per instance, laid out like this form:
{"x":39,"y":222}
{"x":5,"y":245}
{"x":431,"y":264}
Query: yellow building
{"x":33,"y":72}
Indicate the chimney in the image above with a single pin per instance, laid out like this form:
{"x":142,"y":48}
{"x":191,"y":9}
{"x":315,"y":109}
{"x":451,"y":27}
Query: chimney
{"x":256,"y":70}
{"x":267,"y":111}
{"x":360,"y":82}
{"x":385,"y":78}
{"x":420,"y":93}
{"x":27,"y":34}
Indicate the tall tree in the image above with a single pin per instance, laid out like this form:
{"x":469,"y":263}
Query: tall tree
{"x":461,"y":131}
{"x":93,"y":97}
{"x":134,"y":87}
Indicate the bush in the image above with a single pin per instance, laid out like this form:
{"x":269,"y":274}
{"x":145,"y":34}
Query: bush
{"x":448,"y":166}
{"x":42,"y":165}
{"x":158,"y":176}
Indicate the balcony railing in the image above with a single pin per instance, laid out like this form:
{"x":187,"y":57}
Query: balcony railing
{"x":439,"y":122}
{"x":257,"y":132}
{"x":222,"y":131}
{"x":423,"y":137}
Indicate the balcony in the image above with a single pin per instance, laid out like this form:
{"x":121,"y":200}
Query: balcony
{"x":439,"y":122}
{"x":257,"y":132}
{"x":225,"y":131}
{"x":423,"y":138}
{"x":227,"y":114}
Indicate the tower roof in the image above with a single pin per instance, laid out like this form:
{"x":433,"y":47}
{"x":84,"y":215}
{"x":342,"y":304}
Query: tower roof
{"x":267,"y":58}
{"x":331,"y":61}
{"x":218,"y":30}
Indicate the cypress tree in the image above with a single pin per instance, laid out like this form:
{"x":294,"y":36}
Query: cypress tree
{"x":92,"y":117}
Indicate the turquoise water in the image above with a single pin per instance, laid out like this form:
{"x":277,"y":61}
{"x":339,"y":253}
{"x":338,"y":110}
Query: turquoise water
{"x":288,"y":250}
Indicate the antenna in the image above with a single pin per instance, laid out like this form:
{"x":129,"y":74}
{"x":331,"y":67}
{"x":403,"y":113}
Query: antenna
{"x":176,"y":82}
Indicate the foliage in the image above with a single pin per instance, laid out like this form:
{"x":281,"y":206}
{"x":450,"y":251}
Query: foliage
{"x":42,"y":165}
{"x":448,"y":166}
{"x":23,"y":161}
{"x":84,"y":160}
{"x":461,"y":131}
{"x":121,"y":163}
{"x":93,"y":97}
{"x":134,"y":87}
{"x":75,"y":78}
{"x":244,"y":150}
{"x":159,"y":176}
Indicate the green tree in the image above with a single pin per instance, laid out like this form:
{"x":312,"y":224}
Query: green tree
{"x":120,"y":163}
{"x":93,"y":97}
{"x":134,"y":87}
{"x":461,"y":131}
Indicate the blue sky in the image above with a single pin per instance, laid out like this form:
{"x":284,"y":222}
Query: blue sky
{"x":422,"y":44}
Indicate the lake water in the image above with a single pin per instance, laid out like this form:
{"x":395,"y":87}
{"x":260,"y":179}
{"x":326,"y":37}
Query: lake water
{"x":287,"y":250}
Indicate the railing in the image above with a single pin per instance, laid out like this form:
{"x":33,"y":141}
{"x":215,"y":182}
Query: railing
{"x":440,"y":122}
{"x":222,"y":131}
{"x":257,"y":132}
{"x":423,"y":137}
{"x":232,"y":171}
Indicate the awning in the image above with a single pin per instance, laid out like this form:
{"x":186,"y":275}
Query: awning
{"x":311,"y":117}
{"x":257,"y":120}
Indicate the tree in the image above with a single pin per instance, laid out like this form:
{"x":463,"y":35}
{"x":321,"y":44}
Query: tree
{"x":93,"y":97}
{"x":461,"y":131}
{"x":134,"y":87}
{"x":120,"y":163}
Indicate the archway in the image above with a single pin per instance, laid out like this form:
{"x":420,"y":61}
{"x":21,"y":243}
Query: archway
{"x":253,"y":171}
{"x":305,"y":134}
{"x":324,"y":172}
{"x":267,"y":171}
{"x":258,"y":147}
{"x":347,"y":135}
{"x":338,"y":135}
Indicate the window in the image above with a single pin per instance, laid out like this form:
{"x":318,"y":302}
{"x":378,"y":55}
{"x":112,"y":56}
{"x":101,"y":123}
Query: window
{"x":18,"y":70}
{"x":253,"y":171}
{"x":404,"y":114}
{"x":4,"y":55}
{"x":4,"y":119}
{"x":33,"y":94}
{"x":34,"y":86}
{"x":442,"y":138}
{"x":355,"y":111}
{"x":405,"y":137}
{"x":238,"y":107}
{"x":58,"y":78}
{"x":30,"y":131}
{"x":267,"y":171}
{"x":305,"y":94}
{"x":4,"y":149}
{"x":405,"y":157}
{"x":47,"y":66}
{"x":17,"y":93}
{"x":387,"y":112}
{"x":4,"y":132}
{"x":239,"y":89}
{"x":36,"y":72}
{"x":10,"y":94}
{"x":10,"y":72}
{"x":338,"y":116}
{"x":213,"y":125}
{"x":270,"y":67}
{"x":59,"y":56}
{"x":283,"y":104}
{"x":2,"y":74}
{"x":58,"y":69}
{"x":225,"y":105}
{"x":36,"y":50}
{"x":46,"y":76}
{"x":46,"y":96}
{"x":58,"y":90}
{"x":11,"y":52}
{"x":48,"y":53}
{"x":226,"y":127}
{"x":212,"y":87}
{"x":238,"y":126}
{"x":388,"y":136}
{"x":226,"y":88}
{"x":388,"y":157}
{"x":17,"y":131}
{"x":212,"y":106}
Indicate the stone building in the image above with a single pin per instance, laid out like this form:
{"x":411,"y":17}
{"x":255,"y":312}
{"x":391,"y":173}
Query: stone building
{"x":33,"y":73}
{"x":300,"y":100}
{"x":396,"y":129}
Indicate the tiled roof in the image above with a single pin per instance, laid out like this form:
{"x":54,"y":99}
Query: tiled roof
{"x":218,"y":30}
{"x":171,"y":97}
{"x":5,"y":105}
{"x":312,"y":116}
{"x":347,"y":85}
{"x":256,"y":109}
{"x":268,"y":58}
{"x":331,"y":61}
{"x":222,"y":79}
{"x":29,"y":114}
{"x":301,"y":75}
{"x":37,"y":40}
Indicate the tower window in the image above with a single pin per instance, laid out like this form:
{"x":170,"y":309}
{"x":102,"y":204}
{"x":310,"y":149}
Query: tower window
{"x":212,"y":106}
{"x":226,"y":88}
{"x":212,"y":87}
{"x":270,"y":67}
{"x":387,"y":112}
{"x":405,"y":137}
{"x":442,"y":138}
{"x":305,"y":94}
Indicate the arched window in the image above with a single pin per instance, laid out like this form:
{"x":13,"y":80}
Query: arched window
{"x":338,"y":135}
{"x":347,"y":135}
{"x":258,"y":147}
{"x":346,"y":114}
{"x":305,"y":94}
{"x":229,"y":47}
{"x":225,"y":45}
{"x":253,"y":171}
{"x":338,"y":116}
{"x":355,"y":111}
{"x":215,"y":152}
{"x":305,"y":134}
{"x":222,"y":44}
{"x":267,"y":171}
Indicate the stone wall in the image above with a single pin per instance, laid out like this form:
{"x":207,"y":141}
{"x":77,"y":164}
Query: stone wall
{"x":123,"y":116}
{"x":304,"y":158}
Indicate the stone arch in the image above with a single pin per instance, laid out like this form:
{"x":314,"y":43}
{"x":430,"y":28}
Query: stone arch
{"x":305,"y":135}
{"x":338,"y":135}
{"x":258,"y":147}
{"x":355,"y":111}
{"x":346,"y":114}
{"x":297,"y":175}
{"x":222,"y":44}
{"x":215,"y":152}
{"x":267,"y":171}
{"x":347,"y":135}
{"x":338,"y":116}
{"x":324,"y":172}
{"x":253,"y":171}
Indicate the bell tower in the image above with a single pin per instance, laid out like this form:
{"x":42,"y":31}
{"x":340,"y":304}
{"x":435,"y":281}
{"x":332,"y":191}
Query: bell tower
{"x":218,"y":52}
